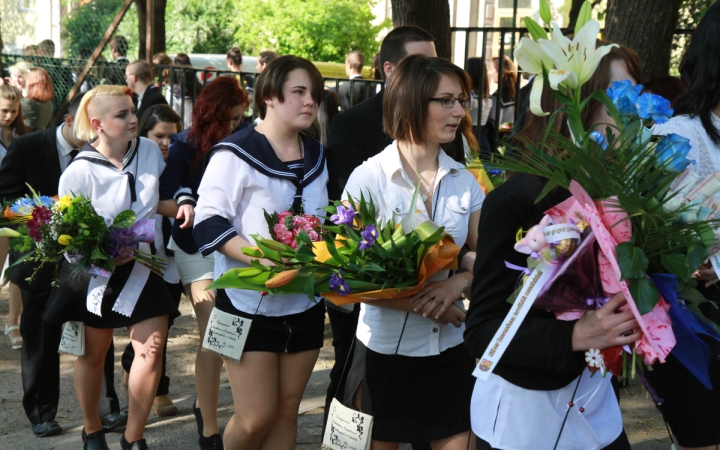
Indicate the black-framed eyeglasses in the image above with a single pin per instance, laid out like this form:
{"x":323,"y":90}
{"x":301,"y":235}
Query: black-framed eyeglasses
{"x":449,"y":102}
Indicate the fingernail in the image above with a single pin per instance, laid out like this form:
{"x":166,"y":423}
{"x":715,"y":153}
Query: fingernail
{"x":415,"y":309}
{"x":425,"y":315}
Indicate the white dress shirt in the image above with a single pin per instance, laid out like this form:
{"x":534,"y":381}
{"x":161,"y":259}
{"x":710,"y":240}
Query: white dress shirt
{"x":235,"y":191}
{"x":63,"y":148}
{"x":457,"y":194}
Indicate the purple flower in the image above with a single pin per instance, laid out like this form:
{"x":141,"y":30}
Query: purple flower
{"x":337,"y":283}
{"x":141,"y":231}
{"x":344,"y":215}
{"x":369,"y":236}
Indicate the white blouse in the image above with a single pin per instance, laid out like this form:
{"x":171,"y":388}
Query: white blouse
{"x":235,"y":191}
{"x":705,"y":153}
{"x":457,"y":194}
{"x":111,"y":189}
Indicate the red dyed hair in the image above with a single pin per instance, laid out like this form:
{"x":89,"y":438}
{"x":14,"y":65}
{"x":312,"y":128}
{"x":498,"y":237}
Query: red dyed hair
{"x":211,"y":114}
{"x":39,"y":85}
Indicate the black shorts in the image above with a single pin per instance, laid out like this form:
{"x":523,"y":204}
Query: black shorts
{"x":293,"y":333}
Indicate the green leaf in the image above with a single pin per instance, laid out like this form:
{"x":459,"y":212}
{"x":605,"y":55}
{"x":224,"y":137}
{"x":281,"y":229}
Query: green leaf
{"x":308,"y":284}
{"x":536,"y":31}
{"x":304,"y":254}
{"x":125,"y":219}
{"x":644,"y":293}
{"x":691,"y":295}
{"x":545,"y":14}
{"x":584,"y":16}
{"x":252,"y":251}
{"x":333,"y":250}
{"x":675,"y":263}
{"x":632,"y":261}
{"x":97,"y":253}
{"x":696,"y":255}
{"x":549,"y":186}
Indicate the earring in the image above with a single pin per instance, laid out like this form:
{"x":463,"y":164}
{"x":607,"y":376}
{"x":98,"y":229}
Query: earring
{"x":270,"y":102}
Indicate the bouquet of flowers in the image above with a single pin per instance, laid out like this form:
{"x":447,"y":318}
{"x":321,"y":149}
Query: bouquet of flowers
{"x":69,"y":227}
{"x":637,"y":222}
{"x":285,"y":227}
{"x":357,"y":259}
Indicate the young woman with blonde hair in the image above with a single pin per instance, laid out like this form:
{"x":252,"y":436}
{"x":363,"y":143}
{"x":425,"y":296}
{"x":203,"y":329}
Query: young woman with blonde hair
{"x":117,"y":171}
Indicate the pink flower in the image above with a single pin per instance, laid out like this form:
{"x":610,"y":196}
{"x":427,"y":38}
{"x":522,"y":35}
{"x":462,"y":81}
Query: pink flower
{"x":314,"y":236}
{"x":279,"y":229}
{"x":299,"y":222}
{"x":283,"y":215}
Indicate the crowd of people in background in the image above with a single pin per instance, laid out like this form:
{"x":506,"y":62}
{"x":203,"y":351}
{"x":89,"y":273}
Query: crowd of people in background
{"x":208,"y":170}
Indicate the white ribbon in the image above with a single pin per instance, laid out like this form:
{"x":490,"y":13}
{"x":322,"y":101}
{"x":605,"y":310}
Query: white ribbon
{"x":126,"y":301}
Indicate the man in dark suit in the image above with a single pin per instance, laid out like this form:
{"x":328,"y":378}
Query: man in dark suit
{"x":37,"y":159}
{"x":354,"y":62}
{"x":138,"y":75}
{"x":356,"y":135}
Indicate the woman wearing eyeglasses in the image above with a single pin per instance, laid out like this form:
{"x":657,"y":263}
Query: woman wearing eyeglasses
{"x":422,"y":393}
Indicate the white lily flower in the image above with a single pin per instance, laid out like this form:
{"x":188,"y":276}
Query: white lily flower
{"x":536,"y":97}
{"x":557,"y":76}
{"x":531,"y":57}
{"x":579,"y":55}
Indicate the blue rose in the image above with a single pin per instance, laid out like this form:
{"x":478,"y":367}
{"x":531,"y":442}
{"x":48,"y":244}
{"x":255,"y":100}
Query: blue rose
{"x":671,"y":152}
{"x":651,"y":106}
{"x":599,"y":138}
{"x":624,"y":94}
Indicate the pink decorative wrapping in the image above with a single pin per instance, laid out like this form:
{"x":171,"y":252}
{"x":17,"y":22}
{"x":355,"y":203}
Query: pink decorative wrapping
{"x":658,"y":338}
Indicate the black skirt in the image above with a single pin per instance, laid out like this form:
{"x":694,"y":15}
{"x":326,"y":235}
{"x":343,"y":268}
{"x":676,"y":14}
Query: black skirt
{"x":413,"y":399}
{"x":293,"y":333}
{"x":68,"y":300}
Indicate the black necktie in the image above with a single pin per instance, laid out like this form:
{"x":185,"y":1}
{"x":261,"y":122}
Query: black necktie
{"x":73,"y":154}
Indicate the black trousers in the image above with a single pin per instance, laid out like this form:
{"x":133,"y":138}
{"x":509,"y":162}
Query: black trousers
{"x":176,"y":291}
{"x":40,"y":360}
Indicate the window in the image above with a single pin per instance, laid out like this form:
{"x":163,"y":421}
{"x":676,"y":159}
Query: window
{"x":26,"y":5}
{"x":510,"y":3}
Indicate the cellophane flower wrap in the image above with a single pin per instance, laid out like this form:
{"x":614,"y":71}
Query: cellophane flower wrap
{"x":356,"y":259}
{"x":642,"y":212}
{"x":49,"y":230}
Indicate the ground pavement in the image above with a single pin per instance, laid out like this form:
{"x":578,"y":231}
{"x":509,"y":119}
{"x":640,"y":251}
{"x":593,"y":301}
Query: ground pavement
{"x":642,"y":421}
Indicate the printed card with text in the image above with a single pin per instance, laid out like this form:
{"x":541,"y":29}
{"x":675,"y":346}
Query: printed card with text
{"x":73,"y":339}
{"x":226,"y":334}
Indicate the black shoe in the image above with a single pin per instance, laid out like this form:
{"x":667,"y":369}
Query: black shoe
{"x":113,"y":421}
{"x":198,"y":418}
{"x":213,"y":442}
{"x":45,"y":429}
{"x":94,"y":441}
{"x":137,"y":445}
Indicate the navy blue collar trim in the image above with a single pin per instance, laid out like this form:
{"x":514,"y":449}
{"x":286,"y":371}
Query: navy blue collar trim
{"x":254,"y":148}
{"x":90,"y":153}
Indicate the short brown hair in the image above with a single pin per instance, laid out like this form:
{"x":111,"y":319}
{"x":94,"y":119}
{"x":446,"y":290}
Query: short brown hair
{"x":407,"y":95}
{"x":271,"y":81}
{"x":356,"y":59}
{"x":119,"y":44}
{"x":234,"y":55}
{"x":142,"y":70}
{"x":39,"y":85}
{"x":267,"y":56}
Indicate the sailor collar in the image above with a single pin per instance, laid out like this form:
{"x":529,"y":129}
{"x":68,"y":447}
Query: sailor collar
{"x":90,"y":153}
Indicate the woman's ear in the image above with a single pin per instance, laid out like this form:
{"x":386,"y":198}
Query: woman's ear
{"x":96,"y":124}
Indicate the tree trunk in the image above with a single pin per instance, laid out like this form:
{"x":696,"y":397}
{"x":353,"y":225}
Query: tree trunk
{"x":574,"y":12}
{"x":158,"y":26}
{"x":647,"y":26}
{"x":432,"y":16}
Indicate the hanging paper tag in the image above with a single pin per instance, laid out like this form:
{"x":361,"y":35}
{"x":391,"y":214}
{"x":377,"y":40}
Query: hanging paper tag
{"x":504,"y":335}
{"x":95,"y":293}
{"x":128,"y":297}
{"x":73,"y":339}
{"x":347,"y":429}
{"x":226,"y":334}
{"x":715,"y":261}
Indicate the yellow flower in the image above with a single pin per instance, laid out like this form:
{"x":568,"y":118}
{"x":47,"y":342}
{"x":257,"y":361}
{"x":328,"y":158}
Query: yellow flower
{"x":65,"y":239}
{"x":64,"y":201}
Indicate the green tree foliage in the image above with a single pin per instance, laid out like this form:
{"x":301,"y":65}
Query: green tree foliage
{"x":314,"y":29}
{"x":200,"y":26}
{"x":85,"y":25}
